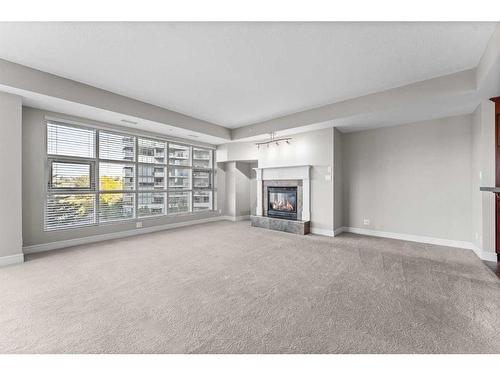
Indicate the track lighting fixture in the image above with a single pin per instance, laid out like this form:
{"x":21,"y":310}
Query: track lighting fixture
{"x":273,"y":139}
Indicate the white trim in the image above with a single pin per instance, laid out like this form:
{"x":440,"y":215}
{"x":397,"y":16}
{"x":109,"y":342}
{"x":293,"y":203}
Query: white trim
{"x":236,"y":218}
{"x":323,"y":232}
{"x":11,"y":259}
{"x":115,"y":235}
{"x":488,"y":255}
{"x":410,"y":237}
{"x":338,"y":231}
{"x":484,"y":255}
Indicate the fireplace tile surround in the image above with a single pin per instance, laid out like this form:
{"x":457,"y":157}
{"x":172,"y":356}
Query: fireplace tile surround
{"x":289,"y":176}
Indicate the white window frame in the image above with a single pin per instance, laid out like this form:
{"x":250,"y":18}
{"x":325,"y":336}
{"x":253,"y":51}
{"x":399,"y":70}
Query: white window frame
{"x":70,"y":160}
{"x":95,"y":187}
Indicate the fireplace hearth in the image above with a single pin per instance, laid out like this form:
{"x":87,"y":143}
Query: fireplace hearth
{"x":282,"y":202}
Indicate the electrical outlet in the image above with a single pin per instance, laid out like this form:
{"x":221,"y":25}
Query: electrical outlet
{"x":366,"y":221}
{"x":477,"y":235}
{"x":138,"y":224}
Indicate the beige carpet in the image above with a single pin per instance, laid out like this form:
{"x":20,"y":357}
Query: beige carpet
{"x":228,"y":288}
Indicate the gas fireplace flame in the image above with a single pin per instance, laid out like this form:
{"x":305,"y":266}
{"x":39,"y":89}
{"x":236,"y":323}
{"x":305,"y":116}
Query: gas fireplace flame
{"x":282,"y":205}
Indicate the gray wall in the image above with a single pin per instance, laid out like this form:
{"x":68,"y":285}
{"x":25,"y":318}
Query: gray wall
{"x":10,"y":186}
{"x":338,"y":204}
{"x":253,"y":188}
{"x":229,"y":205}
{"x":312,"y":148}
{"x":243,"y":178}
{"x":237,"y":199}
{"x":34,"y":189}
{"x":410,"y":179}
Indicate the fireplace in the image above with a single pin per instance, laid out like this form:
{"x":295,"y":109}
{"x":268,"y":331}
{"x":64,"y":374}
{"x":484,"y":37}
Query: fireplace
{"x":283,"y":199}
{"x":282,"y":202}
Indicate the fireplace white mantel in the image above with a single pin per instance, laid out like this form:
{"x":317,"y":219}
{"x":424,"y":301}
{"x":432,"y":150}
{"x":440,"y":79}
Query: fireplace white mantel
{"x":296,"y":172}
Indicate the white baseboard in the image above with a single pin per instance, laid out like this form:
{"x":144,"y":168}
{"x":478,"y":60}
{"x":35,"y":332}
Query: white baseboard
{"x":236,"y":218}
{"x":488,"y":255}
{"x":484,"y":255}
{"x":410,"y":237}
{"x":322,"y":232}
{"x":338,"y":231}
{"x":11,"y":259}
{"x":113,"y":236}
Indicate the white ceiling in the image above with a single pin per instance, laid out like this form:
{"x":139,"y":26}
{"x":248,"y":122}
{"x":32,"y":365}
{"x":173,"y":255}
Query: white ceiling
{"x":235,"y":74}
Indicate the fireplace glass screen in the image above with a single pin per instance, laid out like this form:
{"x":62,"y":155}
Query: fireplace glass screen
{"x":282,"y":202}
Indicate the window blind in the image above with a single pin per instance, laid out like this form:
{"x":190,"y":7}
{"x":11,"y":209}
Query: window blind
{"x":69,"y":210}
{"x":151,"y":204}
{"x":116,"y":206}
{"x":179,"y":201}
{"x":116,"y":146}
{"x":151,"y":151}
{"x":70,"y":141}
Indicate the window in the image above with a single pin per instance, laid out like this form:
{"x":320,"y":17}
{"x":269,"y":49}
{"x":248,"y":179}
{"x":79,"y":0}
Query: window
{"x":151,"y":204}
{"x":202,"y":179}
{"x":70,"y":175}
{"x":116,"y":206}
{"x":116,"y":146}
{"x":202,"y":200}
{"x":116,"y":176}
{"x":65,"y":140}
{"x":69,"y":210}
{"x":202,"y":158}
{"x":151,"y":151}
{"x":178,"y":155}
{"x":98,"y":176}
{"x":71,"y":199}
{"x":151,"y":177}
{"x":179,"y":178}
{"x":179,"y":201}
